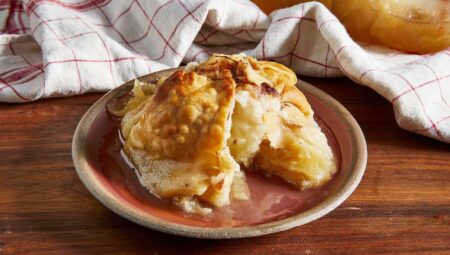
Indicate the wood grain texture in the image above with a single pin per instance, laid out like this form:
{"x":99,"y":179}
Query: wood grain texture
{"x":402,"y":206}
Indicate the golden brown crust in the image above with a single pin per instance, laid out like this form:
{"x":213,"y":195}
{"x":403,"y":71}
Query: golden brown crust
{"x":186,"y":118}
{"x":284,"y":81}
{"x":185,"y":126}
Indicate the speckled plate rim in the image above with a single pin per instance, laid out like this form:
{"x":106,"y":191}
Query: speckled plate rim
{"x":88,"y":178}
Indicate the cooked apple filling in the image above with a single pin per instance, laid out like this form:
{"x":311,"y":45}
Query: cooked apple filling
{"x":190,"y":134}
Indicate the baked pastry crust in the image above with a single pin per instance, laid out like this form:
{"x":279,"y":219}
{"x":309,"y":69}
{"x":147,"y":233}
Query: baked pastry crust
{"x":189,"y":136}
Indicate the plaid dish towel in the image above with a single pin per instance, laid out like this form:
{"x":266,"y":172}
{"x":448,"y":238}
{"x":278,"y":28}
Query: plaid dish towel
{"x":51,"y":48}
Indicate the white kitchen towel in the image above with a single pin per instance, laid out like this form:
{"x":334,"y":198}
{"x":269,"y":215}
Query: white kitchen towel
{"x":51,"y":48}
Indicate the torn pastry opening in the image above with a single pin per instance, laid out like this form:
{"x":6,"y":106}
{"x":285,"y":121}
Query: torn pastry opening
{"x":192,"y":134}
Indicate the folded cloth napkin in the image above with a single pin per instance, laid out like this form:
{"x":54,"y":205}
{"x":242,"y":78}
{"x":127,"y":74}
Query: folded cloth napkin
{"x":51,"y":48}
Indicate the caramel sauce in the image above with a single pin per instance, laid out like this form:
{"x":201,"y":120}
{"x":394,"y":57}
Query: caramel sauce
{"x":271,"y":198}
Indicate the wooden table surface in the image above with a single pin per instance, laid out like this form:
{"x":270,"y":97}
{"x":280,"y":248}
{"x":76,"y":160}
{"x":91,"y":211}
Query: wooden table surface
{"x":402,"y":205}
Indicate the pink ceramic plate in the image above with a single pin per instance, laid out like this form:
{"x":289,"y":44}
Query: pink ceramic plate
{"x":274,"y":206}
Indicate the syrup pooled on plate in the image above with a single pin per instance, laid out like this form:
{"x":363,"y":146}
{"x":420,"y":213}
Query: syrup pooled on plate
{"x":190,"y":135}
{"x":271,"y":198}
{"x":198,"y":128}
